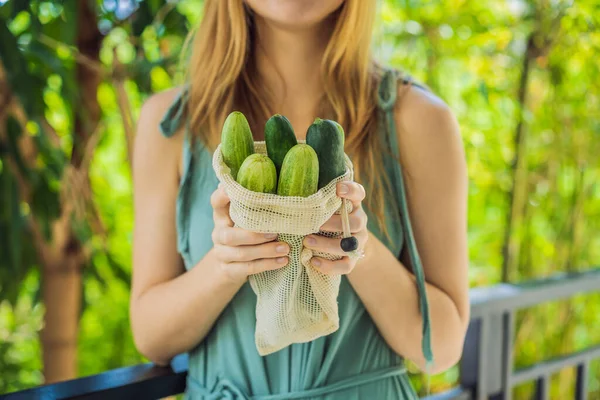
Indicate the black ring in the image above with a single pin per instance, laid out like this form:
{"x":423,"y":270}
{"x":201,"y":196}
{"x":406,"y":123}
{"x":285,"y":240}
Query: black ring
{"x":349,"y":244}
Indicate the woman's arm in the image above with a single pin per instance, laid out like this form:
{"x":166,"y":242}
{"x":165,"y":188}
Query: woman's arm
{"x":435,"y":176}
{"x":436,"y":182}
{"x":172,"y":310}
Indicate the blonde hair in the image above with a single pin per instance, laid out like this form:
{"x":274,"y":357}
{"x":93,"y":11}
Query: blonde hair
{"x":222,"y":76}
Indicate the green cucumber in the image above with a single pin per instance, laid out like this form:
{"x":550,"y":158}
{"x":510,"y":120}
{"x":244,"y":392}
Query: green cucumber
{"x":300,"y":172}
{"x":328,"y":141}
{"x":279,"y":138}
{"x":340,"y":131}
{"x":237,"y":142}
{"x":258,"y":174}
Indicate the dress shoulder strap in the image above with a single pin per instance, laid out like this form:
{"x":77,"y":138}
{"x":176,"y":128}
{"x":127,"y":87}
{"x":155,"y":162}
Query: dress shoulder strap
{"x":169,"y":124}
{"x":175,"y":114}
{"x":387,"y":96}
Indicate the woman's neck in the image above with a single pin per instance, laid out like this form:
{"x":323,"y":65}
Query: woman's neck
{"x":288,"y":64}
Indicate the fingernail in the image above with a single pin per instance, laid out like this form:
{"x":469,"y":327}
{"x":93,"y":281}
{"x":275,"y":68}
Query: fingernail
{"x":311,"y":241}
{"x":281,"y":260}
{"x":316,"y":262}
{"x":343,"y":189}
{"x":282,"y":248}
{"x":271,"y":236}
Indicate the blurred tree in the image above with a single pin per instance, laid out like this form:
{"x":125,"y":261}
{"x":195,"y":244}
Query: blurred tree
{"x":546,"y":20}
{"x":522,"y":76}
{"x":55,"y":214}
{"x":51,"y":70}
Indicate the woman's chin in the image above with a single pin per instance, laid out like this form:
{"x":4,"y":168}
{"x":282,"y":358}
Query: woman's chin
{"x":294,"y":24}
{"x":295,"y":15}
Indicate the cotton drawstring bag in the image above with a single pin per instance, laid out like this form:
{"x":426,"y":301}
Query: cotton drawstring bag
{"x":295,"y":303}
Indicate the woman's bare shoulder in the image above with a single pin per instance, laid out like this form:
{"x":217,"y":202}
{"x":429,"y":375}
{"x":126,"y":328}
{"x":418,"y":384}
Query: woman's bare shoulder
{"x":422,"y":112}
{"x":427,"y":129}
{"x":155,"y":107}
{"x":151,"y":145}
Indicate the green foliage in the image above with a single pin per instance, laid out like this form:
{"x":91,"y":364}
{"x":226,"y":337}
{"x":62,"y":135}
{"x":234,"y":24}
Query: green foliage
{"x":39,"y":55}
{"x":20,"y":362}
{"x":472,"y":54}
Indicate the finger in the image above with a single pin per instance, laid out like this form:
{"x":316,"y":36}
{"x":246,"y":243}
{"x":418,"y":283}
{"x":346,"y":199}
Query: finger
{"x":324,"y":244}
{"x":219,"y":198}
{"x":329,"y":267}
{"x":358,"y":222}
{"x":353,"y":191}
{"x":251,"y":253}
{"x":263,"y":264}
{"x":220,"y":202}
{"x":241,"y":270}
{"x":332,"y":245}
{"x":233,"y":236}
{"x":222,"y":218}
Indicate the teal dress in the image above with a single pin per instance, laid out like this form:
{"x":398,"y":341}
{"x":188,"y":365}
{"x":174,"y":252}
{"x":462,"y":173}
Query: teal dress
{"x":352,"y":363}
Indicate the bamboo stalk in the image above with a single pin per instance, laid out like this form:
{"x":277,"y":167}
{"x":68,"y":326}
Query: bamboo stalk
{"x":515,"y":196}
{"x":124,"y":108}
{"x":539,"y":43}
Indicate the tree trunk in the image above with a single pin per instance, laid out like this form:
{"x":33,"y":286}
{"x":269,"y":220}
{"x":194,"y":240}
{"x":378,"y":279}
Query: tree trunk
{"x":61,"y":294}
{"x":60,"y":259}
{"x":517,"y":195}
{"x":87,"y":116}
{"x":62,"y":270}
{"x":432,"y":58}
{"x":539,"y":43}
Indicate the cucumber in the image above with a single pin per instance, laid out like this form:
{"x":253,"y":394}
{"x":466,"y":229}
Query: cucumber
{"x":327,"y":140}
{"x":258,"y":174}
{"x":237,"y":142}
{"x":300,"y":172}
{"x":279,"y":138}
{"x":340,"y":130}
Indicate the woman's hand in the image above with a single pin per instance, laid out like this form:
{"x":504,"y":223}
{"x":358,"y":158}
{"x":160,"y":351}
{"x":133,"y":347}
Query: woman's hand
{"x":358,"y":227}
{"x":240,"y":252}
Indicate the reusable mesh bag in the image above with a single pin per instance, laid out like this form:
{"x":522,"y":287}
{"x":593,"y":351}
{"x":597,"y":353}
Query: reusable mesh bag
{"x":295,"y":303}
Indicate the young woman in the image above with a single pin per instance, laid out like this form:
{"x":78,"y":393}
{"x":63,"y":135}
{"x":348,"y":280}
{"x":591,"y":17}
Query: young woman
{"x":406,"y":299}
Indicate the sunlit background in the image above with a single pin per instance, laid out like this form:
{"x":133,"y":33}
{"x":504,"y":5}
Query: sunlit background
{"x":522,"y":76}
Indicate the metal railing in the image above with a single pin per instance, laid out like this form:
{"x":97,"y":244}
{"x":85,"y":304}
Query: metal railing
{"x":486,"y":367}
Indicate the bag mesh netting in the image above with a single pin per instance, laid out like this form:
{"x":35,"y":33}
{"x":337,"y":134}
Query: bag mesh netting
{"x":295,"y":303}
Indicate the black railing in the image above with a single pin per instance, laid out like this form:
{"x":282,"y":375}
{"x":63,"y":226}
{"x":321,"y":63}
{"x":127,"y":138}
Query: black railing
{"x":486,"y":368}
{"x":145,"y":381}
